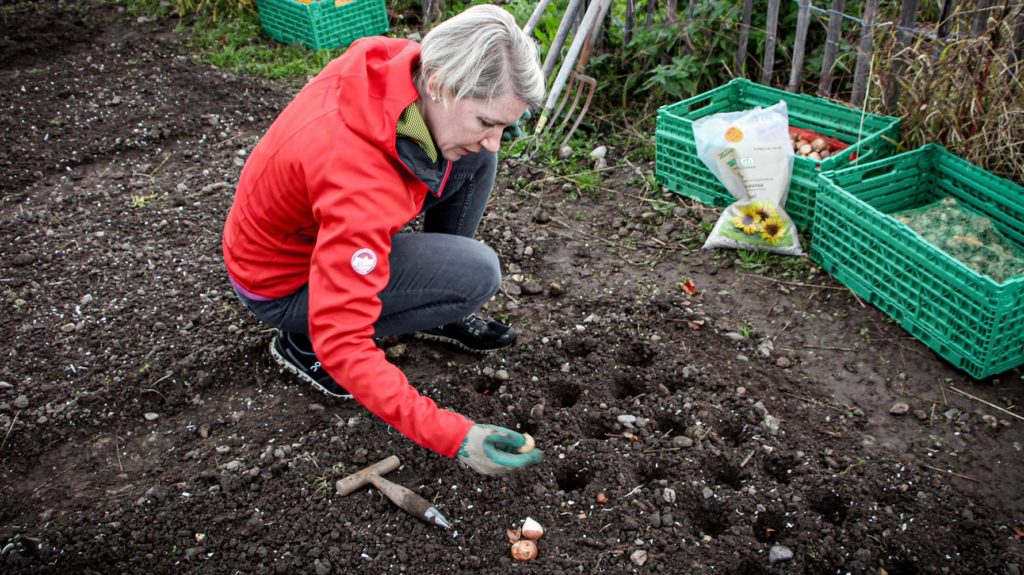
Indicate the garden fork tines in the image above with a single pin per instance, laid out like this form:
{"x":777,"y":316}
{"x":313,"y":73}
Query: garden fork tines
{"x":579,"y":83}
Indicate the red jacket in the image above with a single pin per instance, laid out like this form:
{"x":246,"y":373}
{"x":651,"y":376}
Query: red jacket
{"x":318,"y":201}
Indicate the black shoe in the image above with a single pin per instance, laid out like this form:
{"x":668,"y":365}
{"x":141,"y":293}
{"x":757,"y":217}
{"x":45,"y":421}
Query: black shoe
{"x":473,"y":334}
{"x":294,"y":352}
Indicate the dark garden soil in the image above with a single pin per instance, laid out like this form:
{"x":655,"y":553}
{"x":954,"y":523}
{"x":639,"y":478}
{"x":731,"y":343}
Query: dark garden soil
{"x":144,"y":429}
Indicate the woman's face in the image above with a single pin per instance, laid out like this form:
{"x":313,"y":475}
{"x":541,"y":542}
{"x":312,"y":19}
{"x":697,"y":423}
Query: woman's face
{"x":470,"y":125}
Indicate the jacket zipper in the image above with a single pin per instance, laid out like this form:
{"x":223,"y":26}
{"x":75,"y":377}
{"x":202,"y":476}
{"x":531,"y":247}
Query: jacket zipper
{"x":444,"y":180}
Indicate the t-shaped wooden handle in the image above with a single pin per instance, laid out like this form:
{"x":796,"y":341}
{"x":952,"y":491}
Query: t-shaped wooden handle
{"x":362,"y":477}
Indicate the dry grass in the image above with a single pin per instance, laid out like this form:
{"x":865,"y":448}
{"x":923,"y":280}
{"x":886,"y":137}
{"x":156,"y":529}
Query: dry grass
{"x":967,"y":96}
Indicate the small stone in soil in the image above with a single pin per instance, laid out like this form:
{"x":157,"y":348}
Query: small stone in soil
{"x":23,"y":259}
{"x":682,"y":442}
{"x":627,"y":420}
{"x":779,"y":553}
{"x":151,"y":416}
{"x":21,"y":402}
{"x":899,"y":408}
{"x":555,"y":289}
{"x":638,"y":557}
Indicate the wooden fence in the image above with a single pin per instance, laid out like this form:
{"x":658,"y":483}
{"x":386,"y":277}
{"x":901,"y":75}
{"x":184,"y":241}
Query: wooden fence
{"x":955,"y":22}
{"x":958,"y":19}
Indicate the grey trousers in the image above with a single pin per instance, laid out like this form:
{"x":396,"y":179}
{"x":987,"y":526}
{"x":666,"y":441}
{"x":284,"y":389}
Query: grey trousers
{"x":437,"y":276}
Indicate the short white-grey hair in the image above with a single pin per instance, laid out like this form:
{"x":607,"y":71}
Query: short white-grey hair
{"x":483,"y":54}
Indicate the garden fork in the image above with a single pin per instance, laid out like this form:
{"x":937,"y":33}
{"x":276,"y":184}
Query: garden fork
{"x":579,"y":83}
{"x":580,"y":48}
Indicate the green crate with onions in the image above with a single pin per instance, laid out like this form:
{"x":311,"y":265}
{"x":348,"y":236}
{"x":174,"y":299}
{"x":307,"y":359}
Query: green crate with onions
{"x":677,"y":167}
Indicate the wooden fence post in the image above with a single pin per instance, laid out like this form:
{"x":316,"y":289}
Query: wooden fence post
{"x":908,"y":16}
{"x":672,"y":11}
{"x":835,"y":30}
{"x":946,"y":21}
{"x":432,"y":9}
{"x":860,"y":74}
{"x":803,"y":18}
{"x":1018,"y":34}
{"x":981,"y":17}
{"x":769,"y":41}
{"x":741,"y":49}
{"x":627,"y":32}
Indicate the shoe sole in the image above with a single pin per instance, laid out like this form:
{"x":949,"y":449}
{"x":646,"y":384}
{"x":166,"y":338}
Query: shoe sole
{"x":456,"y":343}
{"x":285,"y":364}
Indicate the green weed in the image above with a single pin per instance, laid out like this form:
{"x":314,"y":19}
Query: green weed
{"x":238,"y":44}
{"x":747,"y":331}
{"x":142,"y":201}
{"x":752,"y":260}
{"x":663,"y":207}
{"x":324,"y":486}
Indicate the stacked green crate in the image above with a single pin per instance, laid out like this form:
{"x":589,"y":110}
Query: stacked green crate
{"x":971,"y":320}
{"x":679,"y":169}
{"x":322,"y":24}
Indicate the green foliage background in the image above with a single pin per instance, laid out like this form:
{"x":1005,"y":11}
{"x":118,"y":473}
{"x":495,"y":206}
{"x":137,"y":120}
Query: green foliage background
{"x":967,"y":96}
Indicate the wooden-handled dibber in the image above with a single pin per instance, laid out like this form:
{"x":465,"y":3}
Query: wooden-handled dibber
{"x":406,"y":499}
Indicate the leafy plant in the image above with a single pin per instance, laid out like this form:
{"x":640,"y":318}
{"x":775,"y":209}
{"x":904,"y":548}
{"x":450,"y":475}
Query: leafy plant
{"x":751,"y":260}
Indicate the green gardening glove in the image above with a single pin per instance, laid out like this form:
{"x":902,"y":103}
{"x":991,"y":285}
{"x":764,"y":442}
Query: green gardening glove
{"x":491,"y":450}
{"x":513,"y":130}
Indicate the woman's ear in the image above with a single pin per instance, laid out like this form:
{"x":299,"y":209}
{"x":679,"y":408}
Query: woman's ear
{"x":432,"y":91}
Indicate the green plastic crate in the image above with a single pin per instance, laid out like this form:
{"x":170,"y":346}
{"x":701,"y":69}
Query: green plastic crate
{"x":323,"y":24}
{"x":678,"y":168}
{"x":967,"y":318}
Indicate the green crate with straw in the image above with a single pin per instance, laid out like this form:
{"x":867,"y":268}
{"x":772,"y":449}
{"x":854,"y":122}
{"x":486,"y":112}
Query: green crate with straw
{"x":862,"y":238}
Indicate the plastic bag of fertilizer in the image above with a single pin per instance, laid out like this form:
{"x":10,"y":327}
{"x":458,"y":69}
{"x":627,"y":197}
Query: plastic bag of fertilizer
{"x":751,"y":153}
